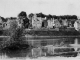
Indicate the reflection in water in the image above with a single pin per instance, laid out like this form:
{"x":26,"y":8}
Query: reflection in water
{"x":58,"y":42}
{"x":17,"y":54}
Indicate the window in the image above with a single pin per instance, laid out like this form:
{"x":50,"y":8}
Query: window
{"x":42,"y":24}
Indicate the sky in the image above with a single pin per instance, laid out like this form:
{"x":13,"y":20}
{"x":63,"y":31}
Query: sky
{"x":11,"y":8}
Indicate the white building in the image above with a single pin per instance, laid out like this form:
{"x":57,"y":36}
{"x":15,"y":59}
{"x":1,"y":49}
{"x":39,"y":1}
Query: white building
{"x":53,"y":23}
{"x":50,"y":23}
{"x":36,"y":21}
{"x":77,"y":25}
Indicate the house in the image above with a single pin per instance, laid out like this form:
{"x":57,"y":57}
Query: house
{"x":65,"y":22}
{"x":57,"y":23}
{"x":10,"y":23}
{"x":77,"y":25}
{"x":39,"y":21}
{"x":36,"y":21}
{"x":53,"y":23}
{"x":50,"y":23}
{"x":43,"y":19}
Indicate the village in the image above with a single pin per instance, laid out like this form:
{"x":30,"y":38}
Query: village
{"x":41,"y":21}
{"x":46,"y":35}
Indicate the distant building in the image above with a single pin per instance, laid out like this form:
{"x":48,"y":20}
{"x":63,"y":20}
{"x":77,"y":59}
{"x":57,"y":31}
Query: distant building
{"x":53,"y":23}
{"x":50,"y":23}
{"x":65,"y":22}
{"x":77,"y":25}
{"x":57,"y":23}
{"x":36,"y":21}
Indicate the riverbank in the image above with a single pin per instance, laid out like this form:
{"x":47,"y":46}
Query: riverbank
{"x":51,"y":32}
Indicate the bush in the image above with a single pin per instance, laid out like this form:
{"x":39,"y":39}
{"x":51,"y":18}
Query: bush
{"x":15,"y":34}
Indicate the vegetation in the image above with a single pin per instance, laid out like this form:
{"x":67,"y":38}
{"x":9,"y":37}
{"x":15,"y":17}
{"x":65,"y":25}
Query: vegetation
{"x":15,"y":41}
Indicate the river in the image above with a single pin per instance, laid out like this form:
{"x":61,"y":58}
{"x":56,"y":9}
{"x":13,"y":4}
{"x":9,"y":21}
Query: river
{"x":38,"y":43}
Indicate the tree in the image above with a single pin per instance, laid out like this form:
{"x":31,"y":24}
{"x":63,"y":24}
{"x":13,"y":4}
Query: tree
{"x":15,"y":40}
{"x":23,"y":16}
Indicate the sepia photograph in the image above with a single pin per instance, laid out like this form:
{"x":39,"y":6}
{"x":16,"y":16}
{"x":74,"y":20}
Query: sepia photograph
{"x":39,"y":29}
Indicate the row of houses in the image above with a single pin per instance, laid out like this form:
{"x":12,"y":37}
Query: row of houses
{"x":50,"y":22}
{"x":39,"y":20}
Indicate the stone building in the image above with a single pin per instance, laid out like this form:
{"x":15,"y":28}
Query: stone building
{"x":65,"y":23}
{"x":36,"y":21}
{"x":53,"y":23}
{"x":57,"y":23}
{"x":50,"y":23}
